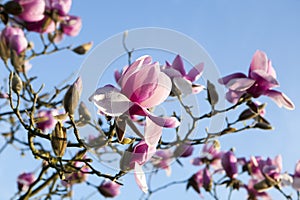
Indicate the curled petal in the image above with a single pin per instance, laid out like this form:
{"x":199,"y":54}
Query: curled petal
{"x":240,"y":84}
{"x":280,"y":99}
{"x":110,"y":101}
{"x":228,"y":78}
{"x":140,"y":177}
{"x":197,"y":88}
{"x":195,"y":73}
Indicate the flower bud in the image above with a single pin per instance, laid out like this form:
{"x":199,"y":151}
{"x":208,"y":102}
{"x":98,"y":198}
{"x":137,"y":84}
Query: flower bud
{"x":109,"y":189}
{"x":229,"y":163}
{"x":32,"y":10}
{"x":84,"y":113}
{"x":16,"y":83}
{"x":212,"y":94}
{"x":72,"y":96}
{"x":71,"y":26}
{"x":45,"y":25}
{"x":24,"y":181}
{"x":83,"y":49}
{"x":207,"y":180}
{"x":263,"y":126}
{"x":59,"y":140}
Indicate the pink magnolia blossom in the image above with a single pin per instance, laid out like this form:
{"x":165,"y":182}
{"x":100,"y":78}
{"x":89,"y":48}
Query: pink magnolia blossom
{"x":33,"y":10}
{"x":143,"y":86}
{"x":24,"y":181}
{"x":47,"y":120}
{"x":142,"y":152}
{"x":261,"y":80}
{"x":14,"y":38}
{"x":296,"y":177}
{"x":211,"y":155}
{"x":109,"y":189}
{"x":258,"y":167}
{"x":71,"y":25}
{"x":182,"y":80}
{"x":62,"y":7}
{"x":162,"y":159}
{"x":203,"y":179}
{"x":229,"y":163}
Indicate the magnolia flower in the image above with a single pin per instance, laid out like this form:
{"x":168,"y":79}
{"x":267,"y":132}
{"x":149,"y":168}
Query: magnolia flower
{"x":162,"y":159}
{"x":229,"y":163}
{"x":182,"y":80}
{"x":296,"y":177}
{"x":200,"y":179}
{"x":24,"y":181}
{"x":143,"y":86}
{"x":71,"y":25}
{"x":61,"y":7}
{"x":211,"y":155}
{"x":14,"y":38}
{"x":261,"y":80}
{"x":109,"y":189}
{"x":33,"y":10}
{"x":46,"y":120}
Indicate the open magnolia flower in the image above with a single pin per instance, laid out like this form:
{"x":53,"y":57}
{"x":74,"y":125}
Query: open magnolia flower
{"x":143,"y":86}
{"x":181,"y":80}
{"x":261,"y":80}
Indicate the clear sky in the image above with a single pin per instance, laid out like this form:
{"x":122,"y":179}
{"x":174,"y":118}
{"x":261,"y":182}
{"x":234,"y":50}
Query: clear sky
{"x":230,"y":31}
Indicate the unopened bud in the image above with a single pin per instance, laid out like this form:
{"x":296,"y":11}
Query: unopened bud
{"x":263,"y":126}
{"x":212,"y":94}
{"x":84,"y":113}
{"x":263,"y":185}
{"x":228,"y":130}
{"x":83,"y":49}
{"x":247,"y":114}
{"x":72,"y":96}
{"x":16,"y":83}
{"x":17,"y":60}
{"x":4,"y":50}
{"x":59,"y":140}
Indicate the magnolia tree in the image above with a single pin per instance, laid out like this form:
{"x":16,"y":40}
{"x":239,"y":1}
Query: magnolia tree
{"x":127,"y":130}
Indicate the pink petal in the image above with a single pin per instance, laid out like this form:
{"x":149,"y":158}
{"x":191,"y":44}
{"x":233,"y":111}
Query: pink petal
{"x":140,"y":177}
{"x":264,"y":79}
{"x":228,"y":78}
{"x":152,"y":133}
{"x":110,"y":101}
{"x":134,"y":67}
{"x":117,"y":75}
{"x":296,"y":183}
{"x":178,"y":65}
{"x":195,"y":73}
{"x":280,"y":99}
{"x":161,"y":92}
{"x":259,"y":61}
{"x":278,"y":162}
{"x":196,"y":161}
{"x":297,"y":170}
{"x":141,"y":84}
{"x":168,"y":122}
{"x":271,"y":71}
{"x":233,"y":96}
{"x":240,"y":84}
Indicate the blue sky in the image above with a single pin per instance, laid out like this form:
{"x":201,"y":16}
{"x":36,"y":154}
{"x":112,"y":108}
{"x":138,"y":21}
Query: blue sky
{"x":230,"y":31}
